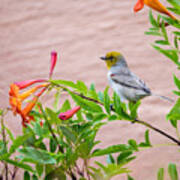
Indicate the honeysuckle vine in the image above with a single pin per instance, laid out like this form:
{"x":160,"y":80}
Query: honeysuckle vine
{"x":16,"y":98}
{"x":135,"y":120}
{"x":154,"y":4}
{"x":55,"y":139}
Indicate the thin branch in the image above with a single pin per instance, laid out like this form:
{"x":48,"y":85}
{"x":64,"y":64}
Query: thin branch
{"x":157,"y":130}
{"x":79,"y":171}
{"x":81,"y":95}
{"x":86,"y":168}
{"x":51,"y":131}
{"x":14,"y":172}
{"x":133,"y":120}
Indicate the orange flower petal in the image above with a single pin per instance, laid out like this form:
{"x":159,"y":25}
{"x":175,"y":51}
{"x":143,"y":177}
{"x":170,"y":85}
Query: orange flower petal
{"x":15,"y":104}
{"x":139,"y":5}
{"x":31,"y":91}
{"x":156,"y":5}
{"x":29,"y":106}
{"x":14,"y":90}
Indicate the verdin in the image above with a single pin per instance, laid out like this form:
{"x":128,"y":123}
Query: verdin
{"x":125,"y":83}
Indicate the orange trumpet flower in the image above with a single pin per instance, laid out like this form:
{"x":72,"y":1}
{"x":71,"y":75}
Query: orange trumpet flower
{"x":25,"y":113}
{"x":16,"y":99}
{"x":27,"y":83}
{"x":154,"y":4}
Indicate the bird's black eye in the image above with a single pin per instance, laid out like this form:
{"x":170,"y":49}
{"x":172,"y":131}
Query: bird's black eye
{"x":110,"y":58}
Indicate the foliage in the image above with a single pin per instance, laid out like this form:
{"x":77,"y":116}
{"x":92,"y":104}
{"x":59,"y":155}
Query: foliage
{"x":60,"y":142}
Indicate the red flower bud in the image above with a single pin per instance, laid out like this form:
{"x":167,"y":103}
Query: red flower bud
{"x":68,"y":114}
{"x":26,"y":83}
{"x":53,"y":62}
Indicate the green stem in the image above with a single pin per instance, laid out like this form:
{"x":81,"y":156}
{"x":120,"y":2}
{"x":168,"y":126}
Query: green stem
{"x":51,"y":131}
{"x":4,"y":140}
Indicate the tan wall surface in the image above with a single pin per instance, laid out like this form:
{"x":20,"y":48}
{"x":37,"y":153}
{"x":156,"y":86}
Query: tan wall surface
{"x":81,"y":31}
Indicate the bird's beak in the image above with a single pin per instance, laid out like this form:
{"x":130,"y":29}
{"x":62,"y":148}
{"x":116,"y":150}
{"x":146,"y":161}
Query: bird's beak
{"x":103,"y":58}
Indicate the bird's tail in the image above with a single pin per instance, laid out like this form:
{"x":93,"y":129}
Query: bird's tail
{"x":164,"y":97}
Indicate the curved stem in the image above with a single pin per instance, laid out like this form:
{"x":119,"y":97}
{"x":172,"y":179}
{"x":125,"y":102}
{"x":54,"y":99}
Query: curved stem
{"x":133,"y":120}
{"x":157,"y":130}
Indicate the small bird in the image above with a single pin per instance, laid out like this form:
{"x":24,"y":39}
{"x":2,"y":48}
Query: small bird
{"x":125,"y":83}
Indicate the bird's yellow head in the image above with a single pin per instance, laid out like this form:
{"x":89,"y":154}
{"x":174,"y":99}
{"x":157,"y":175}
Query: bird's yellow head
{"x":112,"y":58}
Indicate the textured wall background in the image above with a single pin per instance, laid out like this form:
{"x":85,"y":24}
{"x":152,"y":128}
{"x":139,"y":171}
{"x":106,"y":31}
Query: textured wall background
{"x":81,"y":31}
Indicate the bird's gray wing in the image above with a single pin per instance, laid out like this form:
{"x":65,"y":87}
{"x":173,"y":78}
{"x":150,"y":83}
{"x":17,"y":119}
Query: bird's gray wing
{"x":130,"y":80}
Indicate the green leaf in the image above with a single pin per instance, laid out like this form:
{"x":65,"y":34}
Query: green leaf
{"x":52,"y":116}
{"x":37,"y":155}
{"x":57,"y":173}
{"x":123,"y":156}
{"x":175,"y":3}
{"x":88,"y":105}
{"x":99,"y":116}
{"x":143,"y":144}
{"x":154,"y":33}
{"x":160,"y":174}
{"x":170,"y":53}
{"x":176,"y":93}
{"x":101,"y":97}
{"x":89,"y":116}
{"x":112,"y":117}
{"x":3,"y":148}
{"x":66,"y":106}
{"x":112,"y":170}
{"x":34,"y":177}
{"x":1,"y":112}
{"x":110,"y":150}
{"x":177,"y":33}
{"x":174,"y":114}
{"x":120,"y":108}
{"x":171,"y":21}
{"x":152,"y":20}
{"x":52,"y":145}
{"x":64,"y":82}
{"x":147,"y":141}
{"x":172,"y":171}
{"x":164,"y":31}
{"x":162,"y":42}
{"x":130,"y":178}
{"x":20,"y":140}
{"x":110,"y":159}
{"x":39,"y":169}
{"x":133,"y":144}
{"x":38,"y":129}
{"x":68,"y":133}
{"x":82,"y":87}
{"x":20,"y":165}
{"x":177,"y":82}
{"x":175,"y":10}
{"x":11,"y":136}
{"x":92,"y":92}
{"x":27,"y":175}
{"x":176,"y":42}
{"x":133,"y":107}
{"x":107,"y":101}
{"x":57,"y":96}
